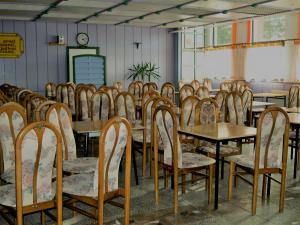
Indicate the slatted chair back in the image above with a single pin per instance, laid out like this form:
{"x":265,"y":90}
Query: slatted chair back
{"x":38,"y":149}
{"x":12,"y":119}
{"x":168,"y":91}
{"x":185,"y":91}
{"x":125,"y":106}
{"x":151,"y":86}
{"x":83,"y":102}
{"x":114,"y":142}
{"x":195,"y":84}
{"x":41,"y":110}
{"x":207,"y":112}
{"x":294,"y":96}
{"x":61,"y":117}
{"x":50,"y":90}
{"x":234,"y":108}
{"x":247,"y":97}
{"x":221,"y":100}
{"x":202,"y":92}
{"x":100,"y":106}
{"x":136,"y":89}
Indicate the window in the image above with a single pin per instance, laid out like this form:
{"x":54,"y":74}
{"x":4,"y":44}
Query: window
{"x":223,"y":34}
{"x":189,"y":39}
{"x":199,"y":37}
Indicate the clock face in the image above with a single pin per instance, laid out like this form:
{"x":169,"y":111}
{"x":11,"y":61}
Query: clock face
{"x":82,"y":39}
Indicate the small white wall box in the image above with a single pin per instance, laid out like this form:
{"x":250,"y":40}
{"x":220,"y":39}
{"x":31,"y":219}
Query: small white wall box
{"x":60,"y":39}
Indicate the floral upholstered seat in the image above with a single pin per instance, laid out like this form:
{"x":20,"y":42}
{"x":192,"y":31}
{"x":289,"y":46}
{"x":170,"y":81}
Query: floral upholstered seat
{"x":60,"y":116}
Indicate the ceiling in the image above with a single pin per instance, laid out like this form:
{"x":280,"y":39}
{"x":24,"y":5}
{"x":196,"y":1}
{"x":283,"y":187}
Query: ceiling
{"x":149,"y":13}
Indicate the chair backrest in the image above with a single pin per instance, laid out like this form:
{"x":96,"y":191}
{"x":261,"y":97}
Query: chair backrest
{"x":226,"y":86}
{"x":3,"y":99}
{"x":114,"y":141}
{"x":65,"y":93}
{"x":136,"y":89}
{"x":180,"y":84}
{"x":147,"y":111}
{"x":33,"y":102}
{"x":168,"y":91}
{"x":293,"y":100}
{"x":112,"y":92}
{"x":50,"y":90}
{"x":221,"y":100}
{"x":244,"y":87}
{"x":12,"y":120}
{"x":37,"y":147}
{"x":188,"y":106}
{"x":21,"y":96}
{"x":151,"y":86}
{"x":118,"y":85}
{"x":61,"y":117}
{"x":207,"y":83}
{"x":59,"y":92}
{"x":125,"y":106}
{"x":9,"y":90}
{"x":149,"y":94}
{"x":234,"y":108}
{"x":202,"y":92}
{"x":247,"y":97}
{"x":207,"y":112}
{"x":185,"y":91}
{"x":92,"y":86}
{"x":161,"y":101}
{"x":100,"y":106}
{"x":272,"y":139}
{"x":165,"y":125}
{"x":195,"y":84}
{"x":40,"y":112}
{"x":83,"y":102}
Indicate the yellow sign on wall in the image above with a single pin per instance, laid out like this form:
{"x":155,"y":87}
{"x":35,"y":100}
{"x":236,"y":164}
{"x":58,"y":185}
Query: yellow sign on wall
{"x":11,"y":45}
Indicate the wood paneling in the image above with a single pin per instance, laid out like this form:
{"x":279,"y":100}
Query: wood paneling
{"x":42,"y":63}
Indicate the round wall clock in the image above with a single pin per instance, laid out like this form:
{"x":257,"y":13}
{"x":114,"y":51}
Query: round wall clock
{"x":82,"y":39}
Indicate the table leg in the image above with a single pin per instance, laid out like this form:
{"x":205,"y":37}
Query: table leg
{"x":86,"y":144}
{"x":284,"y":101}
{"x":296,"y":151}
{"x":217,"y":174}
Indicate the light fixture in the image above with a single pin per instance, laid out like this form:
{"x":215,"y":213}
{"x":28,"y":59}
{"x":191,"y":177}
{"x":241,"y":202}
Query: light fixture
{"x":137,"y":44}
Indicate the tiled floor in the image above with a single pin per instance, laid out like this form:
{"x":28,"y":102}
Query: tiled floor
{"x":194,"y":209}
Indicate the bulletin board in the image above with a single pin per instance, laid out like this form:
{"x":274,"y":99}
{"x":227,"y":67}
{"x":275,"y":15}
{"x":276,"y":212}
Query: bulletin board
{"x":11,"y":45}
{"x":75,"y":51}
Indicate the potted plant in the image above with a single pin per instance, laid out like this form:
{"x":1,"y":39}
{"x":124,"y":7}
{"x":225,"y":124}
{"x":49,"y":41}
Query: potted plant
{"x":144,"y":70}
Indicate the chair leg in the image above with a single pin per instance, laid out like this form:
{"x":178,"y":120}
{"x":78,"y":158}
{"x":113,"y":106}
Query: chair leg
{"x":264,"y":184}
{"x":282,"y":191}
{"x":100,"y":212}
{"x":254,"y":193}
{"x":155,"y":171}
{"x":144,"y":159}
{"x":269,"y":186}
{"x":175,"y":178}
{"x":183,"y":180}
{"x":210,"y":182}
{"x":126,"y":210}
{"x":230,"y":176}
{"x":235,"y":178}
{"x":43,"y":218}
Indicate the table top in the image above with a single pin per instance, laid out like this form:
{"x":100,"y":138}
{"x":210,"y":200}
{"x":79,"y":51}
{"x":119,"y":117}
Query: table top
{"x":220,"y":131}
{"x":257,"y":104}
{"x":291,"y":110}
{"x":294,"y":118}
{"x":90,"y":126}
{"x":270,"y":94}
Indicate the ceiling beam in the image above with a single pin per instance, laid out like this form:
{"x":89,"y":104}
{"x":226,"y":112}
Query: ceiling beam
{"x":103,"y":10}
{"x":215,"y":13}
{"x":51,"y":6}
{"x":158,"y":12}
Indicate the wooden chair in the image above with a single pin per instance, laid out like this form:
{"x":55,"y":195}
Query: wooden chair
{"x":40,"y":112}
{"x":244,"y":87}
{"x":3,"y":99}
{"x":125,"y":106}
{"x":112,"y":92}
{"x":118,"y":85}
{"x":65,"y":93}
{"x":9,"y":91}
{"x":149,"y":94}
{"x":168,"y":91}
{"x":37,"y":144}
{"x":247,"y":97}
{"x":195,"y":84}
{"x":92,"y":86}
{"x":269,"y":157}
{"x":83,"y":97}
{"x":32,"y":104}
{"x":136,"y":89}
{"x":180,"y":84}
{"x":21,"y":95}
{"x":175,"y":161}
{"x":207,"y":83}
{"x":202,"y":92}
{"x":226,"y":86}
{"x":185,"y":91}
{"x":60,"y":116}
{"x":100,"y":106}
{"x":151,"y":86}
{"x":293,"y":98}
{"x":12,"y":119}
{"x":234,"y":108}
{"x":50,"y":90}
{"x":221,"y":100}
{"x":102,"y":186}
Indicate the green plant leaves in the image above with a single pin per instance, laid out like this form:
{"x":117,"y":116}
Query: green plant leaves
{"x":144,"y":70}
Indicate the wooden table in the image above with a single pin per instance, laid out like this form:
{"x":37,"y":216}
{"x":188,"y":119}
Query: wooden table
{"x":268,"y":95}
{"x":258,"y":104}
{"x":291,"y":110}
{"x":295,"y":121}
{"x":217,"y":133}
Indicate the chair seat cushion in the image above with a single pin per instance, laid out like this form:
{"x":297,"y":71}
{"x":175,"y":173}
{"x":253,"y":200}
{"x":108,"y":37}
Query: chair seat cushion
{"x":80,"y":165}
{"x":243,"y":160}
{"x":80,"y":185}
{"x":224,"y":149}
{"x":193,"y":160}
{"x":9,"y":175}
{"x":8,"y":195}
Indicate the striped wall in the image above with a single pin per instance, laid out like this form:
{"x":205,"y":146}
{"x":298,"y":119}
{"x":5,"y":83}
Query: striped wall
{"x":42,"y":63}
